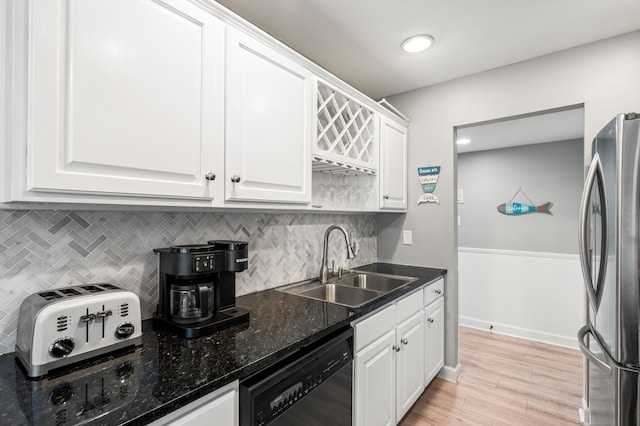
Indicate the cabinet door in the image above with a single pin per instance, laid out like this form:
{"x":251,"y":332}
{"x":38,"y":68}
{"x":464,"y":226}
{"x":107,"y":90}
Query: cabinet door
{"x":125,"y":97}
{"x":410,"y":363}
{"x":222,"y":409}
{"x":374,"y":384}
{"x":219,"y":408}
{"x":269,"y":124}
{"x":393,"y":165}
{"x":434,"y":326}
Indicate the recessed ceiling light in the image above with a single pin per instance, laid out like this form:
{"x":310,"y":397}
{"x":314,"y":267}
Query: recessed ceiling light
{"x":463,"y":141}
{"x":417,"y":43}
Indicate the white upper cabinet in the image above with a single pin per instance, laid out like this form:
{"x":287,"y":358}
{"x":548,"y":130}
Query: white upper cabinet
{"x":393,"y":165}
{"x":270,"y":125}
{"x":182,"y":103}
{"x":125,"y":97}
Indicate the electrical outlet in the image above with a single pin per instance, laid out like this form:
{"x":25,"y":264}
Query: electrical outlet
{"x":460,"y":196}
{"x":406,"y":238}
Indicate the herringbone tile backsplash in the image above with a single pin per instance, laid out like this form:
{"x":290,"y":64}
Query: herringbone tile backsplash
{"x":40,"y":250}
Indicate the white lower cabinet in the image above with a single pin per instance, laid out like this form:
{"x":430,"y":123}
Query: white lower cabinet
{"x":388,"y":373}
{"x":409,"y":363}
{"x":434,"y":338}
{"x":375,"y":383}
{"x":434,"y":328}
{"x":219,"y":407}
{"x":399,"y":349}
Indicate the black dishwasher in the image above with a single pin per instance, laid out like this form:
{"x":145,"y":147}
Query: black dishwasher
{"x":311,"y":387}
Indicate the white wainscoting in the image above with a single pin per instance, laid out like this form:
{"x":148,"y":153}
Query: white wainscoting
{"x":536,"y":296}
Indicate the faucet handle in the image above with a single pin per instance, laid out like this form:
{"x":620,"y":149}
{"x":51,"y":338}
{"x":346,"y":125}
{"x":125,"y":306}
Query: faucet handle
{"x":354,"y":250}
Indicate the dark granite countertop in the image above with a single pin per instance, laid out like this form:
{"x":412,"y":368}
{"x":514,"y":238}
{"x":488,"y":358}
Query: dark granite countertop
{"x":135,"y":387}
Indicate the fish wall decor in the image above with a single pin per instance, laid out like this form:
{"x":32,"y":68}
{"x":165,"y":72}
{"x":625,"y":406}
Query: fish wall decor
{"x":512,"y":208}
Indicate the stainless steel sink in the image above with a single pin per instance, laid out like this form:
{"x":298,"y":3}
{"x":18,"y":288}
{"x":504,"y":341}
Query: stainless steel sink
{"x":341,"y":295}
{"x":376,"y":282}
{"x":353,"y":289}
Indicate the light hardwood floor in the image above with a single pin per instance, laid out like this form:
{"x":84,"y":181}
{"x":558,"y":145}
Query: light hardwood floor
{"x":504,"y":381}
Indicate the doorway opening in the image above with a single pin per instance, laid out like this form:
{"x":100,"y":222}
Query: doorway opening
{"x":519,"y":182}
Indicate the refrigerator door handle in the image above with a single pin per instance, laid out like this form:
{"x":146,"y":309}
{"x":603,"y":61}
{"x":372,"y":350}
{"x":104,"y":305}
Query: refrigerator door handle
{"x":594,"y":292}
{"x":590,"y":355}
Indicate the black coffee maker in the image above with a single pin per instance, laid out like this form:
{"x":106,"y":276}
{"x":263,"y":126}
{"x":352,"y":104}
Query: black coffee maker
{"x":197,"y":287}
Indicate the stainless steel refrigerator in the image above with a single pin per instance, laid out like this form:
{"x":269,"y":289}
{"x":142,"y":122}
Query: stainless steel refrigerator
{"x":610,"y":258}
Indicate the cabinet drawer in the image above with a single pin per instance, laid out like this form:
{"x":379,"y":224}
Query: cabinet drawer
{"x":433,"y":291}
{"x":374,"y":327}
{"x":408,"y":306}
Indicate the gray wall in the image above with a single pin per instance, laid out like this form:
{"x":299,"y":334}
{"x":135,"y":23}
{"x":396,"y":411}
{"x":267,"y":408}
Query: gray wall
{"x":41,"y":249}
{"x":603,"y":76}
{"x":545,"y":172}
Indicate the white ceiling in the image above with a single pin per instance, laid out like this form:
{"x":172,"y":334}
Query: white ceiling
{"x":359,"y":40}
{"x":539,"y":128}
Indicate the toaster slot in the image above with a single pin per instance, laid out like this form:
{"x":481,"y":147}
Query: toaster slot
{"x":109,"y":286}
{"x":69,"y":292}
{"x":91,"y":288}
{"x":50,"y":295}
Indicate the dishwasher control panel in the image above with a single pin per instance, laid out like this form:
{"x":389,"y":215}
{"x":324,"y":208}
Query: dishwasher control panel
{"x":288,"y":397}
{"x":269,"y":394}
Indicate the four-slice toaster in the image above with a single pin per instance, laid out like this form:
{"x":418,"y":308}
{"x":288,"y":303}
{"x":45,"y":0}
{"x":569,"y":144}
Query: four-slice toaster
{"x":70,"y":324}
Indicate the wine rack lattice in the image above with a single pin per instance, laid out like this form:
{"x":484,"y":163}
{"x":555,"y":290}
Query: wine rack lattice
{"x":346,"y":130}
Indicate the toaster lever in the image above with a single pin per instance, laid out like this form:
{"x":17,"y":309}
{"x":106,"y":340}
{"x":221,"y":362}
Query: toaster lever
{"x":88,"y":317}
{"x":106,"y":313}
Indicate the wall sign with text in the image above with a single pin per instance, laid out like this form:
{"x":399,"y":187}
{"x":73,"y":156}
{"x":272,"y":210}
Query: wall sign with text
{"x":428,"y":179}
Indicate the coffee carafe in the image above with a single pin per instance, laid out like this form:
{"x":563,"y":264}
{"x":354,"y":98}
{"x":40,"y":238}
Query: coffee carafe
{"x":191,"y":301}
{"x":197,"y":287}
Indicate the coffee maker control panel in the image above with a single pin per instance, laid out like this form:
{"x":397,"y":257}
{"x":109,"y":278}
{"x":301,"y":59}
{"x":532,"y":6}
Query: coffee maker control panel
{"x":204,"y":263}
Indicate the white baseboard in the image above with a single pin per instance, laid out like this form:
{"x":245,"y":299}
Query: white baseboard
{"x":450,"y":374}
{"x":538,"y":336}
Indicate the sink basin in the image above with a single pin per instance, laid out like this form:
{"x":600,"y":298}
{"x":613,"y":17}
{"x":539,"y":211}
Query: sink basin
{"x":355,"y":288}
{"x":341,"y":295}
{"x":376,"y":282}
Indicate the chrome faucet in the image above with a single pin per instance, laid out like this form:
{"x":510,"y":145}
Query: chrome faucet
{"x":324,"y":269}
